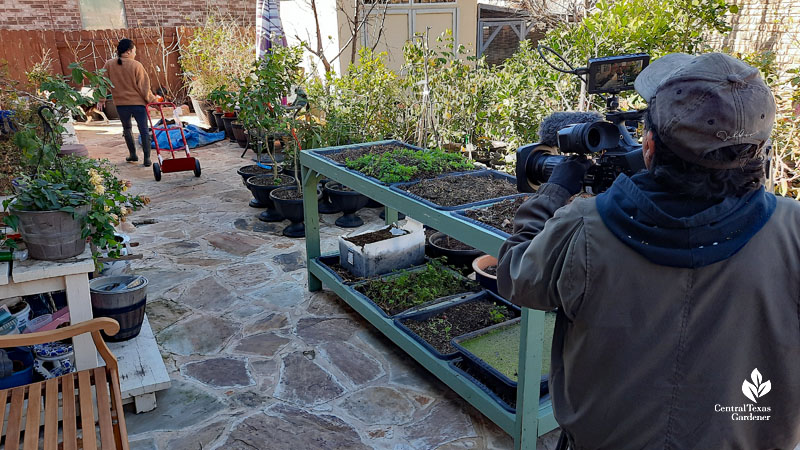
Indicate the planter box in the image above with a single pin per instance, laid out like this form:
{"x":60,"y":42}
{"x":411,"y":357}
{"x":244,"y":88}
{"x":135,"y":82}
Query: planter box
{"x":401,"y":321}
{"x":329,"y":262}
{"x":398,"y":187}
{"x":507,"y":335}
{"x":467,"y":292}
{"x":377,"y":258}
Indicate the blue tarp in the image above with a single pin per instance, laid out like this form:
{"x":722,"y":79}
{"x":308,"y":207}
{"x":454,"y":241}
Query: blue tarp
{"x":195,"y":136}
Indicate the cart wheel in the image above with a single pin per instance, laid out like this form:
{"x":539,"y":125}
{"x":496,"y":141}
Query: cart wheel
{"x":157,"y":171}
{"x":197,"y":167}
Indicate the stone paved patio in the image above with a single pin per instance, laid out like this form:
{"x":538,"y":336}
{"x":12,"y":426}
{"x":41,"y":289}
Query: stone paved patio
{"x":256,"y":361}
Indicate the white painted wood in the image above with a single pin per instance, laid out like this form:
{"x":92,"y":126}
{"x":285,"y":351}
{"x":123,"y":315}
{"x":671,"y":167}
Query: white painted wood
{"x":141,"y":367}
{"x":145,"y":403}
{"x":32,"y":287}
{"x":80,"y":310}
{"x":5,"y":267}
{"x":34,"y":269}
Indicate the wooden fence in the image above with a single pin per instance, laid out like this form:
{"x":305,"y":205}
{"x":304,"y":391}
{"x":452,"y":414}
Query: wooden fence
{"x":157,"y":49}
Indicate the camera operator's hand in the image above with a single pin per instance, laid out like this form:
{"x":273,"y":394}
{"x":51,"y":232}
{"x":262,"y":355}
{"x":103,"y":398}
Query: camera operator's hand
{"x":570,"y":172}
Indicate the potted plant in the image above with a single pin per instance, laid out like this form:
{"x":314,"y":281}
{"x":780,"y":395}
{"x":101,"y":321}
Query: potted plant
{"x":485,"y":268}
{"x":224,"y":100}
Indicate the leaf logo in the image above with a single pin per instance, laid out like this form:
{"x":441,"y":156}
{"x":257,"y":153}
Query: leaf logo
{"x":756,"y":389}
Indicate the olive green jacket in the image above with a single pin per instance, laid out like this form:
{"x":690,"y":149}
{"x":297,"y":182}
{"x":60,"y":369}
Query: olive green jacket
{"x":647,"y":356}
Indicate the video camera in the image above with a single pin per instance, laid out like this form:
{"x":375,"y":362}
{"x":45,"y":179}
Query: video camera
{"x":608,"y":141}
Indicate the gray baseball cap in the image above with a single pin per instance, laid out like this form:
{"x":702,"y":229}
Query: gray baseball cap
{"x":699,"y":104}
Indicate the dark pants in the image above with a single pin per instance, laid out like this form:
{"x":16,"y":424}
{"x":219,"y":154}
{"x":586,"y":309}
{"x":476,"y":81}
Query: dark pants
{"x":139,"y":113}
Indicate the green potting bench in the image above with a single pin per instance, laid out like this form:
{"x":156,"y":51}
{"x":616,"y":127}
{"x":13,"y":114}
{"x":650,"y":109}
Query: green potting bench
{"x":533,"y":417}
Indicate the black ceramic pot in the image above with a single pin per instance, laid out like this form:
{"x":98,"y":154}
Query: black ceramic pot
{"x":239,"y":134}
{"x":228,"y":121}
{"x":247,"y":172}
{"x":292,"y":209}
{"x":218,"y":120}
{"x":349,"y":202}
{"x":261,"y":186}
{"x":461,"y":259}
{"x":212,"y":122}
{"x":326,"y":206}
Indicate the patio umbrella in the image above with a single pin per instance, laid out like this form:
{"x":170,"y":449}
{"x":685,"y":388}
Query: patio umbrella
{"x":269,"y":30}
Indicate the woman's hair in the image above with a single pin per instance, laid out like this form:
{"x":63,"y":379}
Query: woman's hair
{"x":697,"y":181}
{"x":123,"y":46}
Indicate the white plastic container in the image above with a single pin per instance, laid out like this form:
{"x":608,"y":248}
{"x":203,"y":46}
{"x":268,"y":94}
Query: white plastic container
{"x":404,"y":250}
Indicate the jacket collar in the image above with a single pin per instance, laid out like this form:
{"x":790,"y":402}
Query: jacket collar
{"x":681,"y":231}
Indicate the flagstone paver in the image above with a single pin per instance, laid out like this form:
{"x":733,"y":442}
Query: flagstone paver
{"x":257,"y":361}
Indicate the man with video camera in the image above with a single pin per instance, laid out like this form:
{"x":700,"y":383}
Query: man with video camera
{"x":677,"y":289}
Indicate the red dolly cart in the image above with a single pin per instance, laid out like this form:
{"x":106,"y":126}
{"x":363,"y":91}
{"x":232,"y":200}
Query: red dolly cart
{"x":185,"y":164}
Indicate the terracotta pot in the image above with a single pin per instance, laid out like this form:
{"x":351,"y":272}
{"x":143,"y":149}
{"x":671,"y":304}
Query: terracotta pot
{"x":487,"y":280}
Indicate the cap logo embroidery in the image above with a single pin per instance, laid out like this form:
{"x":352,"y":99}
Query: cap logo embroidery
{"x":724,"y":136}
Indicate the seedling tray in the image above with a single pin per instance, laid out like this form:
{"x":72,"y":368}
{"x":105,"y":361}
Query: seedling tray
{"x":327,"y":261}
{"x":462,"y":214}
{"x":434,"y":311}
{"x":420,"y":307}
{"x":398,"y":187}
{"x":491,"y":373}
{"x":497,"y":389}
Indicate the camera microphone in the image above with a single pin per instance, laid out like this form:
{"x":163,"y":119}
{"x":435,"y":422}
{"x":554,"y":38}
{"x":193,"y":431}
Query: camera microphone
{"x":548,"y":129}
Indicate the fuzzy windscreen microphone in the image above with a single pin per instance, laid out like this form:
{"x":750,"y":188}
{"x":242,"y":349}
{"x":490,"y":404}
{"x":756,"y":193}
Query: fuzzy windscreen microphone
{"x":548,"y":129}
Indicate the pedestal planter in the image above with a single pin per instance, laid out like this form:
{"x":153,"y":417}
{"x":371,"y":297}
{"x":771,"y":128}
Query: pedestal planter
{"x":228,"y":122}
{"x":261,"y":186}
{"x":52,"y":235}
{"x":457,"y":253}
{"x":325,"y":205}
{"x":349,"y":201}
{"x":372,"y":253}
{"x":289,"y":203}
{"x":218,"y":120}
{"x":485,"y":268}
{"x":239,"y":134}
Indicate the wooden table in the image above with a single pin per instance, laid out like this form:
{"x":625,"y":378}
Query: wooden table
{"x":141,"y":369}
{"x":33,"y":276}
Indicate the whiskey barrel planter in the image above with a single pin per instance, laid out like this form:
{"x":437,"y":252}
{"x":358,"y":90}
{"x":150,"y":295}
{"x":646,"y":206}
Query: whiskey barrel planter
{"x":126,"y":306}
{"x":52,"y":235}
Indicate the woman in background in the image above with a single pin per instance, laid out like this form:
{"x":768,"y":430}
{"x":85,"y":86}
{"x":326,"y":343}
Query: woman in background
{"x":131,"y":92}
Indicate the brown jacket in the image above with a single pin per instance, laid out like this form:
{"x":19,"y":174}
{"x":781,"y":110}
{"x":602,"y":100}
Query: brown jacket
{"x":648,"y":356}
{"x":131,"y":84}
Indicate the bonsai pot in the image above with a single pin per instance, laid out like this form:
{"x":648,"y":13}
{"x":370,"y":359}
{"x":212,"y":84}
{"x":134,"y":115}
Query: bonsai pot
{"x":325,"y":204}
{"x":487,"y":279}
{"x":349,"y":201}
{"x":218,"y":120}
{"x":227,"y":120}
{"x":292,"y":209}
{"x":460,"y":256}
{"x":261,"y":186}
{"x":238,"y":134}
{"x":212,"y":122}
{"x":52,"y":235}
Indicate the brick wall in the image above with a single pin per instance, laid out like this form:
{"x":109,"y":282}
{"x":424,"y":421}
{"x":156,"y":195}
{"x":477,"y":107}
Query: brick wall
{"x":149,"y":13}
{"x":766,"y":25}
{"x":65,"y":15}
{"x":40,"y":15}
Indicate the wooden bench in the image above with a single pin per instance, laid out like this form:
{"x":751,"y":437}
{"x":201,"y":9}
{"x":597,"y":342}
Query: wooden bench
{"x":83,"y":395}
